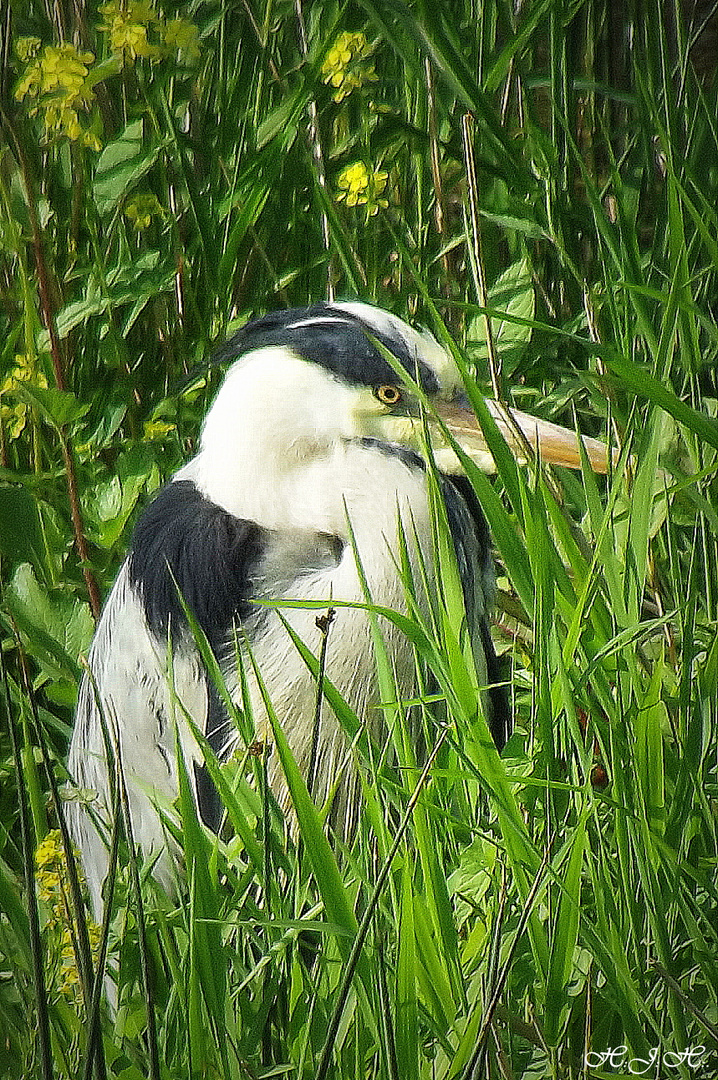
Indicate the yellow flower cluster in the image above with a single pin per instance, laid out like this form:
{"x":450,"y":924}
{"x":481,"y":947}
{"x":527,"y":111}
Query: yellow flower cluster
{"x":55,"y":81}
{"x":52,"y":873}
{"x":136,"y":30}
{"x":128,"y":24}
{"x":27,"y":48}
{"x":345,"y":66}
{"x":140,"y":210}
{"x":182,"y":36}
{"x":156,"y":430}
{"x":69,"y":975}
{"x":359,"y":187}
{"x":52,"y":887}
{"x":14,"y":417}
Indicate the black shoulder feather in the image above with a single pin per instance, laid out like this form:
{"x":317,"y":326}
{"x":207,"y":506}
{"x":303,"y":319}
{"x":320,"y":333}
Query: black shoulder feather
{"x":185,"y":543}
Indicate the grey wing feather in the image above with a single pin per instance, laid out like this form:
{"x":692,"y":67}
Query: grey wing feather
{"x":140,"y":701}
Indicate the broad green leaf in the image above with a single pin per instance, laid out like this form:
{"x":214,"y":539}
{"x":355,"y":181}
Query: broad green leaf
{"x":513,"y":292}
{"x":122,"y":163}
{"x":21,"y":537}
{"x":56,"y":407}
{"x":55,"y":626}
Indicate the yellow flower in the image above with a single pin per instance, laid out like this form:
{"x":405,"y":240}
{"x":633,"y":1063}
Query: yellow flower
{"x":345,"y":67}
{"x":50,"y":851}
{"x":182,"y":36}
{"x":60,"y":70}
{"x":156,"y":430}
{"x":133,"y":11}
{"x":27,"y":48}
{"x":25,"y":370}
{"x":140,"y":210}
{"x":60,"y":120}
{"x":65,"y":69}
{"x":131,"y":38}
{"x":359,"y":187}
{"x":14,"y":417}
{"x":70,"y":976}
{"x":60,"y":928}
{"x":353,"y":182}
{"x":55,"y":83}
{"x":90,"y":140}
{"x":127,"y":24}
{"x":51,"y":871}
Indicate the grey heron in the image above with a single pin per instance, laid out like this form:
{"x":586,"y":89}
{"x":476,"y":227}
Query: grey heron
{"x":310,"y":462}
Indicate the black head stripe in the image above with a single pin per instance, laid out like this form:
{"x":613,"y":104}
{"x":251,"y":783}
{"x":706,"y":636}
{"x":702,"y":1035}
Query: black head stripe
{"x":338,"y":340}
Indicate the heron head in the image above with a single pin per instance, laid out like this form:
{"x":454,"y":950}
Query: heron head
{"x":349,"y":370}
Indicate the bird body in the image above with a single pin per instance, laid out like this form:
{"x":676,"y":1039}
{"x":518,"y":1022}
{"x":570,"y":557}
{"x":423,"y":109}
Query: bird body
{"x":308,"y":476}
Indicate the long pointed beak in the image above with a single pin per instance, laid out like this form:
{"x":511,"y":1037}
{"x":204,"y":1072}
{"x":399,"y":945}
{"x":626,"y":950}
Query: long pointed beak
{"x":552,"y":443}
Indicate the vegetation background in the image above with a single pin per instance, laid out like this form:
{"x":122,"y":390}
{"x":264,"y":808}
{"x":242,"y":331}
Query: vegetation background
{"x":537,"y":183}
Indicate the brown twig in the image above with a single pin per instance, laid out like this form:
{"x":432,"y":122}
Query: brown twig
{"x":685,"y":1001}
{"x":48,"y":318}
{"x":439,"y":201}
{"x":475,"y":221}
{"x":315,"y":143}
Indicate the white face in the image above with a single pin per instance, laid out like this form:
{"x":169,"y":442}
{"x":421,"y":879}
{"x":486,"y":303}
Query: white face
{"x":283,"y":445}
{"x":281,"y":405}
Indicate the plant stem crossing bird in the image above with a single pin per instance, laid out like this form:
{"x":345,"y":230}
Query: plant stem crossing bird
{"x":311,"y":474}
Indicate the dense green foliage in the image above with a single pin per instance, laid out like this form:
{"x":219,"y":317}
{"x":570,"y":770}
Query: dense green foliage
{"x":549,"y":170}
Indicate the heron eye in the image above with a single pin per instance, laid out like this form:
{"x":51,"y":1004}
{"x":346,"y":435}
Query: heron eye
{"x":388,"y":395}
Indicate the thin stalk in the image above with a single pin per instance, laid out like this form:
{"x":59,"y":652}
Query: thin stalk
{"x":467,"y":133}
{"x":153,"y":1045}
{"x":323,"y":624}
{"x":343,"y":993}
{"x":75,"y":911}
{"x":28,"y":853}
{"x":487,"y":1020}
{"x":317,"y":151}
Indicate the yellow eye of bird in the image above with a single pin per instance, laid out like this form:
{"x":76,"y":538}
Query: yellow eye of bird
{"x":388,"y":395}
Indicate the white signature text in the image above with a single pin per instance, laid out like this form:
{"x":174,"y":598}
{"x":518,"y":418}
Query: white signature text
{"x":617,"y":1057}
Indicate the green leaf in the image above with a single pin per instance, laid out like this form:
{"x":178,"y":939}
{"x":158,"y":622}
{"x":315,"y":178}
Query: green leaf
{"x":407,"y":1018}
{"x":21,"y":538}
{"x":121,"y":164}
{"x":75,"y":314}
{"x":324,"y":864}
{"x":640,"y":382}
{"x":109,"y":504}
{"x":281,"y":121}
{"x":55,"y":627}
{"x":207,"y":949}
{"x":56,"y":407}
{"x":137,"y":282}
{"x":650,"y":724}
{"x":512,"y":293}
{"x":565,"y":935}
